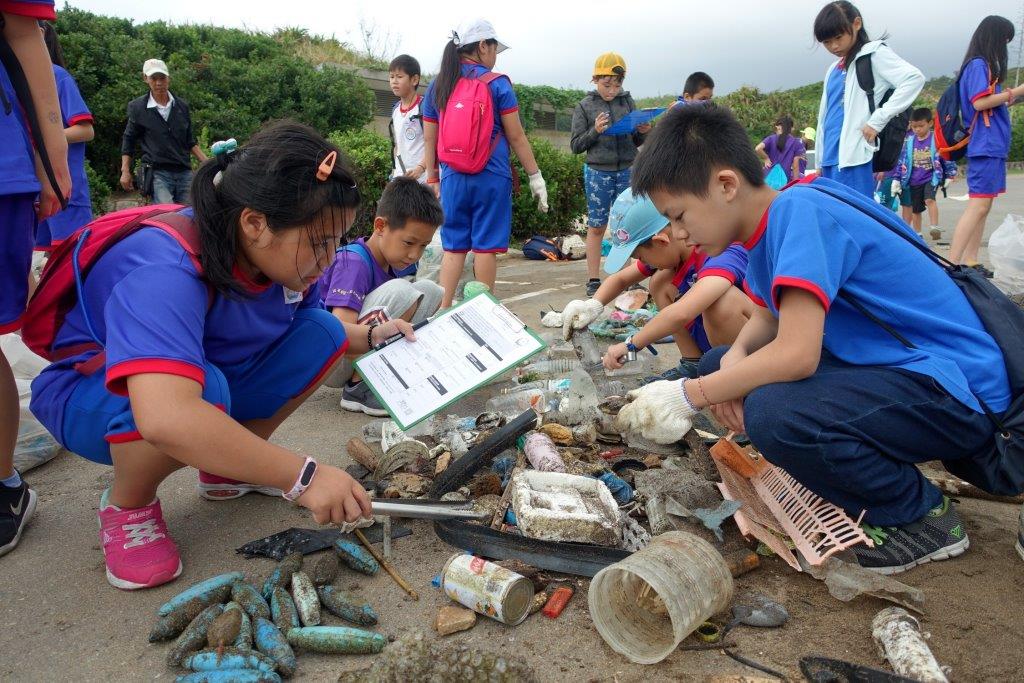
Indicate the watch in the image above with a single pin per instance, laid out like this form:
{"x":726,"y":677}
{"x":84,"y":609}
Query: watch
{"x":303,"y":481}
{"x":629,"y":344}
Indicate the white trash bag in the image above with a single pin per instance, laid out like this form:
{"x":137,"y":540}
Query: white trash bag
{"x":35,"y":445}
{"x":1006,"y":251}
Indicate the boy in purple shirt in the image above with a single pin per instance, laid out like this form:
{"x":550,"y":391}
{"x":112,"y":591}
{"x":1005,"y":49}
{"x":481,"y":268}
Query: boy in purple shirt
{"x":841,"y":378}
{"x":921,"y":171}
{"x":365,"y":284}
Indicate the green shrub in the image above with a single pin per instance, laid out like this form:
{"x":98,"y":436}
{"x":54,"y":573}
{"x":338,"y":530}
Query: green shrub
{"x":370,"y":154}
{"x":233,"y":80}
{"x":99,"y":191}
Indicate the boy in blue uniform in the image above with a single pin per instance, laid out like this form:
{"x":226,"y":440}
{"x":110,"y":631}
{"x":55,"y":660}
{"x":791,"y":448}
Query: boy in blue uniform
{"x":698,"y":300}
{"x":822,"y":390}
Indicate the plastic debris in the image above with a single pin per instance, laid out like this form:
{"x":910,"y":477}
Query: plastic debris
{"x":557,"y":602}
{"x":451,"y":619}
{"x":620,"y":490}
{"x":711,"y":519}
{"x":686,"y":488}
{"x":503,"y":466}
{"x":419,"y":658}
{"x":899,"y":639}
{"x":565,"y":507}
{"x":541,"y":452}
{"x":828,"y":670}
{"x":846,"y":580}
{"x":634,"y":536}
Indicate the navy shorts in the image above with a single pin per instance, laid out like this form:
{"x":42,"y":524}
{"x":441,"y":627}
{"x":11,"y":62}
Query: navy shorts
{"x":61,"y":226}
{"x":477,"y":213}
{"x":986,"y":176}
{"x":602,"y":188}
{"x":17,"y":225}
{"x":94,"y":417}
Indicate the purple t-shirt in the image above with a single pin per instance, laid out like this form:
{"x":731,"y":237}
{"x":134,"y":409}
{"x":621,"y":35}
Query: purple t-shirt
{"x":176,"y":336}
{"x":352,"y":276}
{"x":791,"y":150}
{"x":922,"y":162}
{"x":991,"y":134}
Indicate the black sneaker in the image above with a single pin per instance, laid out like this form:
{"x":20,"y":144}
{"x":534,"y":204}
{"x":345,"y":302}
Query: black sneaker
{"x":592,"y":286}
{"x":687,"y":369}
{"x":358,"y":398}
{"x":16,"y":507}
{"x":939,"y":535}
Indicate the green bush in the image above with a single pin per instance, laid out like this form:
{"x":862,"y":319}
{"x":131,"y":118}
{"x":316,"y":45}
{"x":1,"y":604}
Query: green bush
{"x":563,"y":173}
{"x":370,"y":154}
{"x":233,"y":80}
{"x":99,"y":191}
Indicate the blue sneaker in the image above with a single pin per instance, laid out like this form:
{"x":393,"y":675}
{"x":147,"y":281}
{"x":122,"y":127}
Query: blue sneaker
{"x":939,"y":535}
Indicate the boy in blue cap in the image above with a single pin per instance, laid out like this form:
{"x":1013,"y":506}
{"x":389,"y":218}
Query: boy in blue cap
{"x":814,"y":379}
{"x":698,"y":302}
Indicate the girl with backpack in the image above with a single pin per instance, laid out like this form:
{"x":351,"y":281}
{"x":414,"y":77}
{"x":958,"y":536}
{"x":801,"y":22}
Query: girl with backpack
{"x":848,"y":129}
{"x":188,"y":335}
{"x":474,"y":181}
{"x":782,"y":149}
{"x":984,"y":107}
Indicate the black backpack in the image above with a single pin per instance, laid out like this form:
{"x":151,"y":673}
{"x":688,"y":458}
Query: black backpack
{"x":1001,"y":469}
{"x":890,"y":138}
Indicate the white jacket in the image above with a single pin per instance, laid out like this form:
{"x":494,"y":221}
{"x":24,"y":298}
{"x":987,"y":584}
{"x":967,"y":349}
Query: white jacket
{"x":890,"y":72}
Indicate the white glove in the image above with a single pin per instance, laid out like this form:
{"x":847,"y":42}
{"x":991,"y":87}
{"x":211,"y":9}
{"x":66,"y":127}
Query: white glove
{"x":896,"y":188}
{"x":578,"y":314}
{"x":539,"y":190}
{"x":659,"y":412}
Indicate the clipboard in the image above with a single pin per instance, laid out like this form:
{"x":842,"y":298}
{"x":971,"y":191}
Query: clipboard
{"x":628,"y":123}
{"x":460,"y":350}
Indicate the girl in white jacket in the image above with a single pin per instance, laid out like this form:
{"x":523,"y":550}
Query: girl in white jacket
{"x":847,"y":128}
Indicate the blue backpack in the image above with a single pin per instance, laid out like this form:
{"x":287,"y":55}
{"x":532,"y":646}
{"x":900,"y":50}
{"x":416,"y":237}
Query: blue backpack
{"x":541,"y":248}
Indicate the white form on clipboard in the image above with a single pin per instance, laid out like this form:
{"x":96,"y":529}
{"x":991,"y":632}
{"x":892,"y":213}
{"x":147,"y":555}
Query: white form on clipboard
{"x":460,"y":350}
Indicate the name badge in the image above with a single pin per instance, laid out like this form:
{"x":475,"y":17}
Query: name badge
{"x":291,"y":296}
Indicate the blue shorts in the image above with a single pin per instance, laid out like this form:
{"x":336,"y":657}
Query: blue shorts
{"x":699,"y":334}
{"x":17,"y":225}
{"x":61,"y":226}
{"x":94,"y":418}
{"x":859,"y":178}
{"x":986,"y":176}
{"x":477,"y":213}
{"x":602,"y":188}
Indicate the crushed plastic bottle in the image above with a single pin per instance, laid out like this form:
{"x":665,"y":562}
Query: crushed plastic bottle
{"x":588,"y":351}
{"x":557,"y":346}
{"x":546,"y":369}
{"x":579,"y":404}
{"x":558,"y":385}
{"x":514,"y":404}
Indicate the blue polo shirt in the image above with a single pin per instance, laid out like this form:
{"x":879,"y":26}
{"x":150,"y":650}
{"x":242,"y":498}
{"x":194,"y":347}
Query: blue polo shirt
{"x":151,"y":311}
{"x":990,"y":136}
{"x":730,"y":264}
{"x":73,"y":111}
{"x":812,"y":241}
{"x":832,"y":128}
{"x":505,"y":102}
{"x":17,"y":169}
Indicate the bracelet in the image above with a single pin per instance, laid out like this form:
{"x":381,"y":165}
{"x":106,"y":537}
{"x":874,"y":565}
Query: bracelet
{"x":303,"y":481}
{"x":700,"y":386}
{"x":433,"y":181}
{"x":682,"y":388}
{"x":369,"y":335}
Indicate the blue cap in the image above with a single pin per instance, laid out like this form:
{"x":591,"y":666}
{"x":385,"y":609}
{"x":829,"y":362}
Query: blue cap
{"x":632,"y":221}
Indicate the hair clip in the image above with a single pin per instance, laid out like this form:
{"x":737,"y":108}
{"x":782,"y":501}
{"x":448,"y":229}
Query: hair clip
{"x":323,"y":172}
{"x":454,"y":37}
{"x":224,"y":146}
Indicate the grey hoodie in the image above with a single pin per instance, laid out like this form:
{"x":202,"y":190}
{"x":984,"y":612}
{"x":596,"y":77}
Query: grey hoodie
{"x":604,"y":152}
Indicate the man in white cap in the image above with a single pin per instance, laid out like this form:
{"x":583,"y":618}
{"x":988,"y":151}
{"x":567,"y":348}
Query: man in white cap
{"x":162,"y":125}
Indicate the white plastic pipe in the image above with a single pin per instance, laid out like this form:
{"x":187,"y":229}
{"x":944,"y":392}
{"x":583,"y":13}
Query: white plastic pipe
{"x":899,"y":639}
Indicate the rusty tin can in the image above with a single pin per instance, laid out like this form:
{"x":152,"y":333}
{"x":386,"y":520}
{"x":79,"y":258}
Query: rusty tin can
{"x":487,"y":588}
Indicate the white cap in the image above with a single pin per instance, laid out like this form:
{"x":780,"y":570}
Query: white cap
{"x":474,"y":31}
{"x":155,"y":66}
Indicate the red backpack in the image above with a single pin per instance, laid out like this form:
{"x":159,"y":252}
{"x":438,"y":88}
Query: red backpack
{"x":465,"y":126}
{"x":71,"y":262}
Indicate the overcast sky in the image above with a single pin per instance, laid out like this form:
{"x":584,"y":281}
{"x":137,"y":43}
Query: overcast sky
{"x":739,"y":42}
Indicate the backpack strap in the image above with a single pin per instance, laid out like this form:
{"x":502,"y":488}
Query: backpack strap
{"x":359,"y":248}
{"x":24,"y":94}
{"x":866,"y":79}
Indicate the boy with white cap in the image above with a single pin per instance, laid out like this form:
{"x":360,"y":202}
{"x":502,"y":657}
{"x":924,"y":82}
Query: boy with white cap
{"x":162,"y":125}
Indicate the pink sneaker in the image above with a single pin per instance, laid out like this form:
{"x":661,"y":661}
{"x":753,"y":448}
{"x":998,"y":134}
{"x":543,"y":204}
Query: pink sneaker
{"x":137,"y":549}
{"x":213,"y":487}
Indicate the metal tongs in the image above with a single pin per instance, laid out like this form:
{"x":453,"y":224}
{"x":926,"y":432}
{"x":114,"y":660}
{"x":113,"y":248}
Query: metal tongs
{"x":426,"y":508}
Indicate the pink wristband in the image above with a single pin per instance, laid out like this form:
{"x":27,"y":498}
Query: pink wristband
{"x":303,"y":481}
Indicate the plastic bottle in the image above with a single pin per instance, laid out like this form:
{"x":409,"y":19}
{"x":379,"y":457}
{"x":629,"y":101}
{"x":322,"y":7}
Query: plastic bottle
{"x":559,"y":385}
{"x":588,"y":351}
{"x":678,"y":570}
{"x":542,"y":453}
{"x":579,"y":404}
{"x":557,"y":346}
{"x":547,"y":369}
{"x":515,"y":404}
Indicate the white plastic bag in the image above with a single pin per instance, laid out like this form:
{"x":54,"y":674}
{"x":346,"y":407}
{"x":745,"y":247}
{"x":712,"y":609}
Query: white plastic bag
{"x":430,"y":262}
{"x":1006,"y":250}
{"x":35,"y":445}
